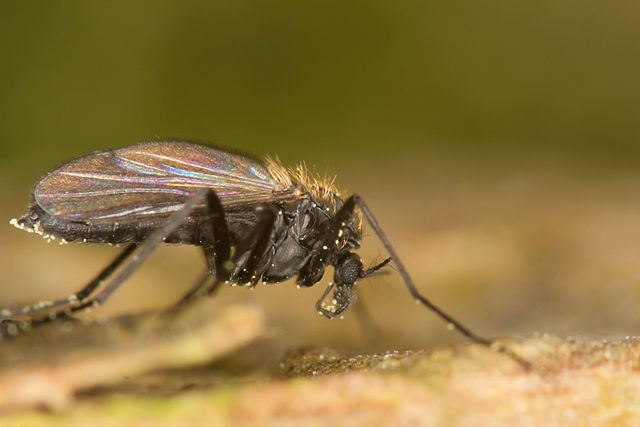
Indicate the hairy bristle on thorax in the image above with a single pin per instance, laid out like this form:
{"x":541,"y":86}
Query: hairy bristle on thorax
{"x":321,"y":188}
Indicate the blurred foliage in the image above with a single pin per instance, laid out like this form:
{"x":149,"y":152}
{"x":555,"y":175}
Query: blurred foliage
{"x":322,"y":80}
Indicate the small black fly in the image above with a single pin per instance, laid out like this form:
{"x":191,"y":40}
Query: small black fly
{"x":253,"y":220}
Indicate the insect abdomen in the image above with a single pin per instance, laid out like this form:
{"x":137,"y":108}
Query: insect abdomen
{"x":50,"y":227}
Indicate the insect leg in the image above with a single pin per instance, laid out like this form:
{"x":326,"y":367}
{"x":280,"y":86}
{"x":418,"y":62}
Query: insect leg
{"x":256,"y":244}
{"x":221,"y":250}
{"x":219,"y":253}
{"x":347,"y":209}
{"x":79,"y":296}
{"x":88,"y":290}
{"x":157,"y":237}
{"x":195,"y":290}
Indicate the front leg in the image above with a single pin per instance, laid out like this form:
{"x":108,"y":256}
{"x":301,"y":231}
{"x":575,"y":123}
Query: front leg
{"x":242,"y":267}
{"x":348,"y":207}
{"x":341,"y":217}
{"x":219,"y":254}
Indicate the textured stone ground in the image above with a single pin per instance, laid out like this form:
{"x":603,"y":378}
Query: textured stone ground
{"x":573,"y":383}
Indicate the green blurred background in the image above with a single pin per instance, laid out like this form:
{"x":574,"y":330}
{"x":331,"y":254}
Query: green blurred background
{"x":497,"y":141}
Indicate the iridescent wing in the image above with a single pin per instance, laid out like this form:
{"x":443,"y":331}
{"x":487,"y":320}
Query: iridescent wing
{"x":152,"y":180}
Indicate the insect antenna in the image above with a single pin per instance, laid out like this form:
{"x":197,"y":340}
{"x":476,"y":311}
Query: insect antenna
{"x":355,"y":199}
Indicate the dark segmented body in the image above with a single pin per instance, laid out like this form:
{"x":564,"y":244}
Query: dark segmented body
{"x":124,"y":195}
{"x":271,"y":223}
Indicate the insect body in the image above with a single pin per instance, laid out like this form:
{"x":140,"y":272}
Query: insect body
{"x":253,"y":220}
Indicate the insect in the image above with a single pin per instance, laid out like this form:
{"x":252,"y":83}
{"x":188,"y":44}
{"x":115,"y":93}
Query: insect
{"x":254,"y":220}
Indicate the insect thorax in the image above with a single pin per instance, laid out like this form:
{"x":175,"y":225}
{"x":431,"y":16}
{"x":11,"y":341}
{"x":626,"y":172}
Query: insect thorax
{"x":322,"y":190}
{"x":301,"y":228}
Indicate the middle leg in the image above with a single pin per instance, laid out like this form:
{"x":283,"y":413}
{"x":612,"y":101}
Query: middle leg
{"x":243,"y":266}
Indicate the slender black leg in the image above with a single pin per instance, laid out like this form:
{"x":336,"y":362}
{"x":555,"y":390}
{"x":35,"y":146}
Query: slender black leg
{"x":213,"y":288}
{"x":347,"y":210}
{"x":195,"y":290}
{"x":256,"y":244}
{"x":206,"y":285}
{"x":369,"y":271}
{"x":219,"y":254}
{"x":348,"y":207}
{"x":221,"y":251}
{"x":138,"y":259}
{"x":151,"y":244}
{"x":80,"y":296}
